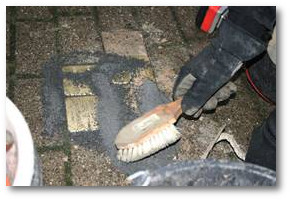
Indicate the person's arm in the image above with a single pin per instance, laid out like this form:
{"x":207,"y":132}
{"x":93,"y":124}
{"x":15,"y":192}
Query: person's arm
{"x":242,"y":36}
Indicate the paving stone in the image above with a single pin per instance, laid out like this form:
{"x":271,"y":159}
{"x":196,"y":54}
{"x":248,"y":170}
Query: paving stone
{"x":80,"y":62}
{"x":195,"y":38}
{"x":126,"y":43}
{"x":7,"y":37}
{"x":76,"y":69}
{"x":197,"y":137}
{"x":186,"y":16}
{"x":7,"y":84}
{"x":158,"y":25}
{"x":34,"y":12}
{"x":53,"y":168}
{"x":166,"y":63}
{"x":222,"y":151}
{"x":236,"y":148}
{"x":74,"y":10}
{"x":10,"y":32}
{"x":28,"y":100}
{"x":116,"y":17}
{"x":81,"y":113}
{"x":8,"y":76}
{"x":8,"y":70}
{"x":34,"y":45}
{"x":8,"y":13}
{"x":79,"y":33}
{"x":10,"y":79}
{"x":73,"y":88}
{"x":90,"y":168}
{"x":242,"y":113}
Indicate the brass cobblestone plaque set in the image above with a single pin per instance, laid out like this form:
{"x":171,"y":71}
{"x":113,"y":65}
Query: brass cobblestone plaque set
{"x":93,"y":95}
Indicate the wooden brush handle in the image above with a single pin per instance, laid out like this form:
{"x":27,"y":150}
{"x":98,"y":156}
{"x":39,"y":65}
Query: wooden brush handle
{"x":174,"y":108}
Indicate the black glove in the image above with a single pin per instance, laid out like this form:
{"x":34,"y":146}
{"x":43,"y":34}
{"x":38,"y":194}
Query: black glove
{"x":206,"y":73}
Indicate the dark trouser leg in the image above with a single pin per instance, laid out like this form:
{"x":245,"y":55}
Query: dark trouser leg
{"x":262,"y":149}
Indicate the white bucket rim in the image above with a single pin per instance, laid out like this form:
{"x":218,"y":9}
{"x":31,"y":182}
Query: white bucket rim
{"x":16,"y":124}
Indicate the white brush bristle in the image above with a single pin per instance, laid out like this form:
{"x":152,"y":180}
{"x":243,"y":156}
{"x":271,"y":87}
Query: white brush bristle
{"x":156,"y":142}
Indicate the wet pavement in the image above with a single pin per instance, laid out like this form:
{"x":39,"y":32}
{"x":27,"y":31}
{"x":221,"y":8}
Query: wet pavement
{"x":161,"y":38}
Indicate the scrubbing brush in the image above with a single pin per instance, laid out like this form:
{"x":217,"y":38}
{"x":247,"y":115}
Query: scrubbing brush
{"x":149,"y":133}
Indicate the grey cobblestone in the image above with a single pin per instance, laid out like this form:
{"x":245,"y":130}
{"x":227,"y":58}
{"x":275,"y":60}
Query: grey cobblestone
{"x":74,"y":10}
{"x":35,"y":43}
{"x":10,"y":33}
{"x":8,"y":39}
{"x":186,"y":18}
{"x":125,"y":43}
{"x":166,"y":64}
{"x":78,"y":33}
{"x":158,"y":25}
{"x":53,"y":168}
{"x":115,"y":18}
{"x":90,"y":167}
{"x":197,"y":135}
{"x":195,"y":38}
{"x":223,"y":150}
{"x":34,"y":12}
{"x":243,"y":113}
{"x":9,"y":78}
{"x":28,"y":94}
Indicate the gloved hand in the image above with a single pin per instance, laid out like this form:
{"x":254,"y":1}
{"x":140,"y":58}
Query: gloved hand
{"x":201,"y":78}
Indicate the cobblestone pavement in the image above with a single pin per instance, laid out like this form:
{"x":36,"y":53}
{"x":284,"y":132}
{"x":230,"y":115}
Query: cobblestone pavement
{"x":163,"y":37}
